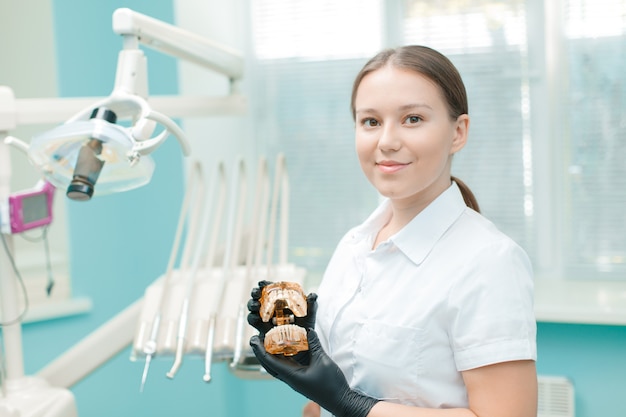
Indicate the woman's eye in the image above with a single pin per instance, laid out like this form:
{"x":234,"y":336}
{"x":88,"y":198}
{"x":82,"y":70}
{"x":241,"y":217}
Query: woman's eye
{"x":369,"y":122}
{"x":413,"y":119}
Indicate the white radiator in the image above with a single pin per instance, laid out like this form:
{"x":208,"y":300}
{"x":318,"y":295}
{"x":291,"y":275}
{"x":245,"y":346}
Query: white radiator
{"x":556,"y":397}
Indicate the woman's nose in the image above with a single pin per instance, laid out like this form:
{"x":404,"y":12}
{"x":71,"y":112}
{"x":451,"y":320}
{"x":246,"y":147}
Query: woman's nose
{"x":389,"y":139}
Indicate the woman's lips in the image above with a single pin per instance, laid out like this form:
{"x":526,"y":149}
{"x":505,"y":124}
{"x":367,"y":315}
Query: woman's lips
{"x":389,"y":167}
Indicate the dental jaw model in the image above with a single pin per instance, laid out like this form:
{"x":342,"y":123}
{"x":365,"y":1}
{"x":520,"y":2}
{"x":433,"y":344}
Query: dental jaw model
{"x":282,"y":302}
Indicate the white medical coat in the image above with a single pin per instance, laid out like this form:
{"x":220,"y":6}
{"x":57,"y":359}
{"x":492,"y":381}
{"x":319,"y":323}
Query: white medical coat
{"x":447,"y":293}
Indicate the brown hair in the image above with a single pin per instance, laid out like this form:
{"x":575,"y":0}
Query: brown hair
{"x":438,"y":68}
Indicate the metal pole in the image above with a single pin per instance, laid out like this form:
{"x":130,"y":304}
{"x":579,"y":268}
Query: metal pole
{"x":9,"y":303}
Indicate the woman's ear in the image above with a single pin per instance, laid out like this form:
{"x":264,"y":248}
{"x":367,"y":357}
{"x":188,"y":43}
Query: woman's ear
{"x":461,"y":129}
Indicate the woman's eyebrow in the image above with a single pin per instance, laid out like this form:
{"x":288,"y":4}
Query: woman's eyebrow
{"x":415,"y":106}
{"x":368,"y":110}
{"x":404,"y":107}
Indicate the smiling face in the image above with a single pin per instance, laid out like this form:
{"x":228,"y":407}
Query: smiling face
{"x":405,"y":136}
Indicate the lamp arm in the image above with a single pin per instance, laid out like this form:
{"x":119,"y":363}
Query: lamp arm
{"x":178,"y":42}
{"x":121,"y":103}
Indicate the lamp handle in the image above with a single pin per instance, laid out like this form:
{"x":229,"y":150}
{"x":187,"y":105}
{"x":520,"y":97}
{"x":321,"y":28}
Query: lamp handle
{"x":146,"y":146}
{"x":17,"y":143}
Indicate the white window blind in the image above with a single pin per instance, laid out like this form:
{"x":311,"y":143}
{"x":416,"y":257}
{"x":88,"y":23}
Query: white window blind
{"x":595,"y":140}
{"x":302,"y":81}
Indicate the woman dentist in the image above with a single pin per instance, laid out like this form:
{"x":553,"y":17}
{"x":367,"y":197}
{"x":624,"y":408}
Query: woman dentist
{"x":426,"y":308}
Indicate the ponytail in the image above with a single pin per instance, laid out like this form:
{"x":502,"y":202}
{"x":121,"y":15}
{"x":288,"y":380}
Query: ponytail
{"x":468,"y":196}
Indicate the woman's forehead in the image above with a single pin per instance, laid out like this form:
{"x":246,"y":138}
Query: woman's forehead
{"x":401,"y":86}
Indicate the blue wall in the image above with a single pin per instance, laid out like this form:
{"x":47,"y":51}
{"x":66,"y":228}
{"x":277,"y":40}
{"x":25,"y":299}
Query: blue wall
{"x":594,"y":358}
{"x":120,"y":243}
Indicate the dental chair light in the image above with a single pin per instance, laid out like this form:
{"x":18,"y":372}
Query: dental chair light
{"x":89,"y":164}
{"x":76,"y":155}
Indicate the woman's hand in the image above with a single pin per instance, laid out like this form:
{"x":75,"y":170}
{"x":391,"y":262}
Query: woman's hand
{"x":320,"y":379}
{"x":254,"y":306}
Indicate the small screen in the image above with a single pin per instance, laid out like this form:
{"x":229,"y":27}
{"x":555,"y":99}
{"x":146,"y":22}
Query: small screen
{"x":34,"y":208}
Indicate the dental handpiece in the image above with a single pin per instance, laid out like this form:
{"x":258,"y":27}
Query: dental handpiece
{"x":149,"y":349}
{"x":239,"y":333}
{"x":181,"y":340}
{"x":208,"y":356}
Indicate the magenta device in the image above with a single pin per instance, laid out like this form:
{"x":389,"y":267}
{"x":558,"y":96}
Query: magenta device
{"x":31,"y":208}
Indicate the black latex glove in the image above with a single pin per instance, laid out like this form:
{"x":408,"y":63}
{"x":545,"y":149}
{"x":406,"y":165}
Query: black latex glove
{"x":321,"y":381}
{"x":254,"y":305}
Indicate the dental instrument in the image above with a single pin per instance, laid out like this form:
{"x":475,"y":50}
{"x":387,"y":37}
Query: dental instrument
{"x":265,"y":268}
{"x":217,"y":189}
{"x":280,"y":191}
{"x":201,"y":312}
{"x":194,"y":184}
{"x":189,"y":273}
{"x":285,"y":292}
{"x":252,"y":258}
{"x":231,"y":255}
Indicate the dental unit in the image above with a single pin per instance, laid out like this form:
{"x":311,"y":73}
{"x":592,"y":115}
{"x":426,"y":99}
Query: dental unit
{"x":198,"y":307}
{"x":93,"y":153}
